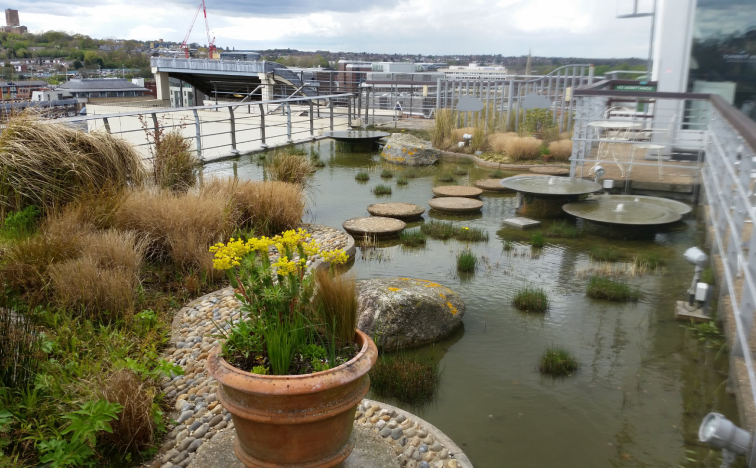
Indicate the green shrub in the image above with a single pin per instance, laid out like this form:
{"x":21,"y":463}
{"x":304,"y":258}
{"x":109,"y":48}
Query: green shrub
{"x":531,"y":299}
{"x":563,"y":228}
{"x":412,"y":238}
{"x":20,"y":224}
{"x":558,"y":362}
{"x":401,"y":181}
{"x":386,"y":174}
{"x":608,"y":254}
{"x":362,"y":176}
{"x":382,"y":189}
{"x":600,"y":287}
{"x":537,"y":240}
{"x":538,"y":120}
{"x":410,"y":380}
{"x":466,"y":261}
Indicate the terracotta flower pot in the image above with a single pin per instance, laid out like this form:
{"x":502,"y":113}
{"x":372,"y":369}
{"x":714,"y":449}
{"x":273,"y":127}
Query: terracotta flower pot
{"x":302,"y":421}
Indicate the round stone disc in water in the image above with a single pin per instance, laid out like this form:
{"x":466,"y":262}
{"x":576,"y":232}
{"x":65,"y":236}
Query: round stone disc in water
{"x":456,"y":204}
{"x":671,"y":205}
{"x":355,"y":135}
{"x":396,"y":210}
{"x":550,"y":185}
{"x":373,"y":226}
{"x":606,"y":209}
{"x":491,"y":185}
{"x":457,"y":191}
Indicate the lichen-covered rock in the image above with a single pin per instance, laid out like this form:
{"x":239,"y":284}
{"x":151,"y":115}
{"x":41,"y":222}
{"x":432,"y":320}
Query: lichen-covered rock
{"x":409,"y":150}
{"x":405,"y":312}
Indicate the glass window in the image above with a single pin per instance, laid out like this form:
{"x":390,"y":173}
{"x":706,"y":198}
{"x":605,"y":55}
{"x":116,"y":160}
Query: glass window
{"x":724,"y":52}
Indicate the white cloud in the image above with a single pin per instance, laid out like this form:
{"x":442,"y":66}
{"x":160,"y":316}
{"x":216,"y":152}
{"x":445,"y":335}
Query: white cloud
{"x":578,"y":28}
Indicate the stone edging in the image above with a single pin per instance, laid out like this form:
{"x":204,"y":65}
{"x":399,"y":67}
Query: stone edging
{"x":432,"y":448}
{"x":495,"y":165}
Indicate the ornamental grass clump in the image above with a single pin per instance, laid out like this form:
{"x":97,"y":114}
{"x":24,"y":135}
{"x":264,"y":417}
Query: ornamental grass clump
{"x":412,"y":380}
{"x":531,"y":299}
{"x":412,"y":238}
{"x":561,"y":150}
{"x":466,"y":261}
{"x":266,"y":207}
{"x":290,"y":165}
{"x":446,"y":178}
{"x":607,"y":254}
{"x":537,"y":240}
{"x":401,"y":181}
{"x":382,"y":189}
{"x":558,"y":362}
{"x":600,"y":287}
{"x":563,"y":229}
{"x":386,"y":174}
{"x":287,"y":331}
{"x":362,"y":176}
{"x":447,"y":230}
{"x":49,"y":165}
{"x":650,"y":260}
{"x":174,"y":165}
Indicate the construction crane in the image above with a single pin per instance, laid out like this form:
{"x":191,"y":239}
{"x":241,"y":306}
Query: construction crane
{"x":210,"y":42}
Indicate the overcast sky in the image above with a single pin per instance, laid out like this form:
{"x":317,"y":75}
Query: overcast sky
{"x":567,"y":28}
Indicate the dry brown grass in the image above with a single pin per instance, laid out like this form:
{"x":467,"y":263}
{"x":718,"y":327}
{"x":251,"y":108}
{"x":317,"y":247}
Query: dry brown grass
{"x":101,"y":283}
{"x":49,"y":165}
{"x":497,"y":141}
{"x":269,"y":207}
{"x":523,"y":148}
{"x":178,"y":228}
{"x":561,"y":150}
{"x":443,"y":129}
{"x":288,"y":165}
{"x":135,"y":427}
{"x":336,"y":304}
{"x":174,"y":165}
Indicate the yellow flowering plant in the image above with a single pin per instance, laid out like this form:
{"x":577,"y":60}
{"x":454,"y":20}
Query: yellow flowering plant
{"x":276,"y":297}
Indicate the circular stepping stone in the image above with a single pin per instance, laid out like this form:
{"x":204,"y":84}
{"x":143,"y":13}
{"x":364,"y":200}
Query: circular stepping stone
{"x":456,"y":205}
{"x":396,"y":210}
{"x":491,"y":185}
{"x":457,"y":191}
{"x":551,"y":170}
{"x":373,"y":226}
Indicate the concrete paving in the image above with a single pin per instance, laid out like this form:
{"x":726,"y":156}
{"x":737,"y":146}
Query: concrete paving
{"x":370,"y":451}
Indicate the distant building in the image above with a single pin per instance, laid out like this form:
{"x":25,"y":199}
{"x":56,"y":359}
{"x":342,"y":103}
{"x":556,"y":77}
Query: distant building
{"x":246,"y":55}
{"x":11,"y":18}
{"x":104,"y":88}
{"x":48,"y":94}
{"x":19,"y":90}
{"x":473,"y":71}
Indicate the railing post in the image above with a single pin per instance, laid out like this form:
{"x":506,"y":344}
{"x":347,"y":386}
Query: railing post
{"x":438,"y":94}
{"x":107,"y":125}
{"x":198,"y":133}
{"x":312,"y":121}
{"x":262,"y":127}
{"x":367,"y":104}
{"x":510,"y":103}
{"x":288,"y":124}
{"x":155,"y":123}
{"x":330,"y":108}
{"x":233,"y":130}
{"x":349,"y":112}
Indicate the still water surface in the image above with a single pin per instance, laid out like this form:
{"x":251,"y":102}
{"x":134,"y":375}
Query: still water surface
{"x":646,"y":380}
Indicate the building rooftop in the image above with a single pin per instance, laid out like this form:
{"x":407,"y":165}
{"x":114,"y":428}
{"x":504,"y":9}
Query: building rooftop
{"x":6,"y":84}
{"x":100,"y":84}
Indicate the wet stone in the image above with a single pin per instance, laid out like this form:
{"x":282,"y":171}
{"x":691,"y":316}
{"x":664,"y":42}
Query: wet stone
{"x":436,"y":447}
{"x":385,"y":432}
{"x":396,"y":433}
{"x":423,"y":448}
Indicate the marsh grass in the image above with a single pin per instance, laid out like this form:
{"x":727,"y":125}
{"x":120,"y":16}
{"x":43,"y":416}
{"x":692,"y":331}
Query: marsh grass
{"x":612,"y":269}
{"x":386,"y":174}
{"x":174,"y":165}
{"x":446,"y":178}
{"x":382,"y":189}
{"x":522,"y":148}
{"x":600,"y":287}
{"x":411,"y":380}
{"x":370,"y":250}
{"x":319,"y":163}
{"x":289,"y":164}
{"x":362,"y":176}
{"x":442,"y":133}
{"x":563,"y":229}
{"x":410,"y":175}
{"x":460,"y":171}
{"x":466,"y":261}
{"x":650,"y":260}
{"x":531,"y":299}
{"x":497,"y":174}
{"x":412,"y":238}
{"x":335,"y":305}
{"x":267,"y":208}
{"x":560,"y":150}
{"x":401,"y":181}
{"x":537,"y":240}
{"x":508,"y":245}
{"x":447,"y":230}
{"x":558,"y":362}
{"x":607,"y":254}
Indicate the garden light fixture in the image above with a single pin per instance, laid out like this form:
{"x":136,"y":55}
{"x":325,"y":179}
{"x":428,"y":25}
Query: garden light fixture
{"x":720,"y":432}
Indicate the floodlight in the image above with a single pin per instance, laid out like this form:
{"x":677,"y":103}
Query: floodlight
{"x":696,"y":256}
{"x":720,"y":432}
{"x":599,"y":171}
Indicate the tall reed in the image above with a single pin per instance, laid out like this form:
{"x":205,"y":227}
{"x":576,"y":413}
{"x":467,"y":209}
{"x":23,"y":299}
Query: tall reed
{"x":335,"y":305}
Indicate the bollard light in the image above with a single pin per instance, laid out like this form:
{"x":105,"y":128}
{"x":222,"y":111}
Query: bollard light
{"x":599,"y":171}
{"x":720,"y":432}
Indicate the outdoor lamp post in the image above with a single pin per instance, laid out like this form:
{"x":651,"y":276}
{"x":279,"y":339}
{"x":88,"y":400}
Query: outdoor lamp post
{"x":720,"y":432}
{"x":697,"y":257}
{"x":599,"y":171}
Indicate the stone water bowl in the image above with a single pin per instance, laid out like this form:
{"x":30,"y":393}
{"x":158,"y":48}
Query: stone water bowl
{"x":543,"y":196}
{"x":625,"y":216}
{"x":355,"y":141}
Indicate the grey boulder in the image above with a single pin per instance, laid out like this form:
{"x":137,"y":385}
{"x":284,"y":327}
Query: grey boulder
{"x":409,"y":150}
{"x":404,"y":312}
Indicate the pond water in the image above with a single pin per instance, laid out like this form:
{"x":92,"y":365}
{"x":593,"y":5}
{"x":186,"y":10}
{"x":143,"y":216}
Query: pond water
{"x":645,"y":381}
